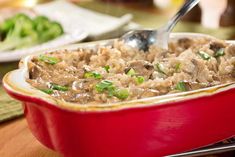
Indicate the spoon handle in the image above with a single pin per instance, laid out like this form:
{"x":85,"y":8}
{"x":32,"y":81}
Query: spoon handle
{"x":189,"y":4}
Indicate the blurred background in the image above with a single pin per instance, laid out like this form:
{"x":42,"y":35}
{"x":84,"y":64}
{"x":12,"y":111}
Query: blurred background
{"x":207,"y":17}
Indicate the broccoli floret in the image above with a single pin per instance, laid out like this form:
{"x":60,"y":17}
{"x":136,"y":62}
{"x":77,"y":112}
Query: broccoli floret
{"x":5,"y":27}
{"x":41,"y":23}
{"x":54,"y":31}
{"x":46,"y":29}
{"x":9,"y":23}
{"x":21,"y":31}
{"x":22,"y":34}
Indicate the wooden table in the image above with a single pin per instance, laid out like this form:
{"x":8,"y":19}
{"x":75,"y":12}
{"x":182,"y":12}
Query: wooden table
{"x":16,"y":140}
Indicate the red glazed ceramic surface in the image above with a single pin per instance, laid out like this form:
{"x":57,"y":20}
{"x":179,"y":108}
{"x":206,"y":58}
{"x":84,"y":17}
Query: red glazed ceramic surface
{"x":149,"y":127}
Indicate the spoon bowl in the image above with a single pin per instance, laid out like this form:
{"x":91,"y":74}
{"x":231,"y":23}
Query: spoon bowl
{"x":143,"y":39}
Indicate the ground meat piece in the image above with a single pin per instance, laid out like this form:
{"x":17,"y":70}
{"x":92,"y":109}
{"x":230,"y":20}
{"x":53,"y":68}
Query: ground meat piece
{"x":34,"y":72}
{"x":199,"y":67}
{"x":82,"y":98}
{"x":185,"y":43}
{"x":39,"y":83}
{"x":201,"y":72}
{"x":141,"y":67}
{"x":194,"y":85}
{"x":215,"y":45}
{"x":230,"y":50}
{"x":150,"y":93}
{"x":225,"y":67}
{"x":37,"y":71}
{"x":83,"y":85}
{"x":72,"y":96}
{"x":233,"y":72}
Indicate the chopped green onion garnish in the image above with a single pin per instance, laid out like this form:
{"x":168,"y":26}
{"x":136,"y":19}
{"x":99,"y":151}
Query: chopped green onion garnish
{"x":106,"y":68}
{"x":97,"y":75}
{"x":181,"y":86}
{"x":131,"y":72}
{"x":88,"y":75}
{"x":58,"y":87}
{"x":219,"y":53}
{"x":92,"y":75}
{"x":178,"y":67}
{"x":121,"y":93}
{"x":160,"y":68}
{"x":104,"y":85}
{"x":48,"y":59}
{"x":204,"y":55}
{"x":139,"y":79}
{"x":111,"y":90}
{"x":47,"y":91}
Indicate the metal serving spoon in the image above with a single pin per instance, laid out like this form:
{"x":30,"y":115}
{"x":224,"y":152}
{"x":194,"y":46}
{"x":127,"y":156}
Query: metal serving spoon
{"x":142,"y":39}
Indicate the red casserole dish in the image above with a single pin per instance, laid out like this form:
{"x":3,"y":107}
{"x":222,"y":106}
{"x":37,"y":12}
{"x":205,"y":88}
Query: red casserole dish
{"x":150,"y":127}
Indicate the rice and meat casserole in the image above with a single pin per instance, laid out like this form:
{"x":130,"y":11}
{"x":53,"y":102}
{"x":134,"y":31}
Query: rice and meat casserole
{"x":119,"y":73}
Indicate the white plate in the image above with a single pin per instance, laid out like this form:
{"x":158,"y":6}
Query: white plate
{"x":72,"y":34}
{"x":67,"y":38}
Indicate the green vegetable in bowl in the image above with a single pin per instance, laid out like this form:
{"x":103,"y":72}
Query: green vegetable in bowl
{"x":139,"y":79}
{"x":121,"y":94}
{"x":58,"y":87}
{"x":204,"y":55}
{"x":107,"y":68}
{"x":131,"y":72}
{"x":160,"y":68}
{"x":53,"y":87}
{"x":104,"y":85}
{"x":47,"y":91}
{"x":181,"y":86}
{"x":92,"y":75}
{"x":219,"y":53}
{"x":108,"y":86}
{"x":178,"y":67}
{"x":48,"y":59}
{"x":21,"y":31}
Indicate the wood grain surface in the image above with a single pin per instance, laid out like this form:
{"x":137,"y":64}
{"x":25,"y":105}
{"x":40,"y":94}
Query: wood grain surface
{"x":16,"y":140}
